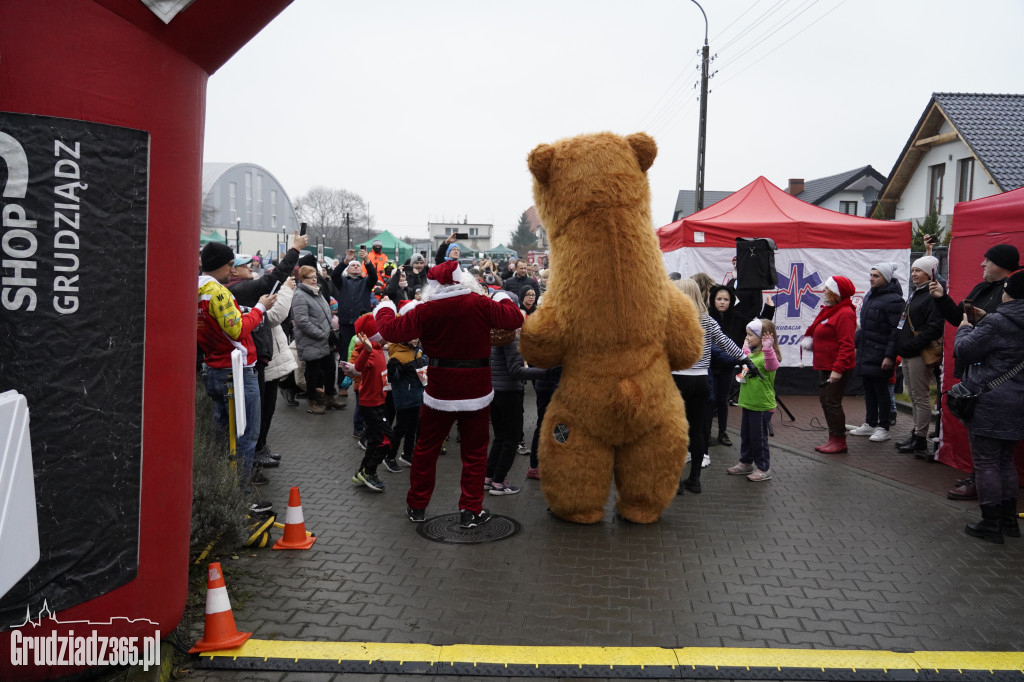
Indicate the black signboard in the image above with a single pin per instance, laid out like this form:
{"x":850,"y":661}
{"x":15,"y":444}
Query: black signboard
{"x":73,"y":221}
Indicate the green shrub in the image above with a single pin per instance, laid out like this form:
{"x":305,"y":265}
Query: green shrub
{"x":218,"y":507}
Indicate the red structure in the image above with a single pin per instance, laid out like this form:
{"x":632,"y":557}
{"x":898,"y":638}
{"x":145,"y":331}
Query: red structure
{"x":977,"y":226}
{"x":115,"y":62}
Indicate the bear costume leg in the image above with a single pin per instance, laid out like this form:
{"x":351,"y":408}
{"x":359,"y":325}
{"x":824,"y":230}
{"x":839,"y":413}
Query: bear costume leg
{"x":576,"y":469}
{"x":647,"y":471}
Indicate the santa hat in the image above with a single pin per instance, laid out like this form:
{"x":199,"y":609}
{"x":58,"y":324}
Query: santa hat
{"x":443,"y":274}
{"x":840,"y":286}
{"x":448,"y":279}
{"x":365,"y":324}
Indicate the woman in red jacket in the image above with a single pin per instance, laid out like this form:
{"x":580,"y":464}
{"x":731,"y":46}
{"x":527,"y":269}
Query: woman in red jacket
{"x":830,"y":337}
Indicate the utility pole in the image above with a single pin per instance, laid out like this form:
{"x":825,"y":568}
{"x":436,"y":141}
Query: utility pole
{"x":238,"y":234}
{"x":703,"y":126}
{"x":348,"y":232}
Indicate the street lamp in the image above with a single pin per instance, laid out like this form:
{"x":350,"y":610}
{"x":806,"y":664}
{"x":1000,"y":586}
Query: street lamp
{"x":703,"y":125}
{"x":238,"y":234}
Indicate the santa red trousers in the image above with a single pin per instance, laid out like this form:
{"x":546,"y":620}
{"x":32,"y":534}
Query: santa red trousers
{"x":435,"y":425}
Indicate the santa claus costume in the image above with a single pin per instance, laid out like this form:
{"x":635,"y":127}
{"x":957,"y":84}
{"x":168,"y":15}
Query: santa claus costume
{"x":454,"y":324}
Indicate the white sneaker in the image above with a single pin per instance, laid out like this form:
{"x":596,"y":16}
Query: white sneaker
{"x":879,"y":435}
{"x":707,"y":461}
{"x":864,"y":429}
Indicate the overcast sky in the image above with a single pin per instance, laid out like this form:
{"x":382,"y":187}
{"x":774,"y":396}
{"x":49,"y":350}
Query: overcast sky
{"x":428,"y":109}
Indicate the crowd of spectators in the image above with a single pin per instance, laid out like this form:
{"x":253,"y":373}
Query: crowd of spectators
{"x":302,"y":329}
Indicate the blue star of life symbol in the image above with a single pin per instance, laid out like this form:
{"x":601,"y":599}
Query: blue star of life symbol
{"x":797,"y":289}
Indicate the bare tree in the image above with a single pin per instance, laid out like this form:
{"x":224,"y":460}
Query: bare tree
{"x":323,"y":209}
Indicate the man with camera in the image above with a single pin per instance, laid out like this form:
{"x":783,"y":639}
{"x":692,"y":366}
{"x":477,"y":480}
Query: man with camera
{"x":1000,"y":262}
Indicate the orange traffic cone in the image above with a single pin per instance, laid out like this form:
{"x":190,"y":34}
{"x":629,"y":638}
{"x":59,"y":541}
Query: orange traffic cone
{"x":295,"y":536}
{"x":219,"y":631}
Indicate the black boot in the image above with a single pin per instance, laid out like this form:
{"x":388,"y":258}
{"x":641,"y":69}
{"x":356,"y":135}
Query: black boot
{"x":906,"y":441}
{"x":692,"y":482}
{"x":916,"y":444}
{"x":1008,"y":518}
{"x":988,"y":528}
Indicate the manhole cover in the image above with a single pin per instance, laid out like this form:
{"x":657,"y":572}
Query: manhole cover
{"x":446,"y":529}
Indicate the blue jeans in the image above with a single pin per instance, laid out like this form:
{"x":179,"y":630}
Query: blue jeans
{"x":215,"y":380}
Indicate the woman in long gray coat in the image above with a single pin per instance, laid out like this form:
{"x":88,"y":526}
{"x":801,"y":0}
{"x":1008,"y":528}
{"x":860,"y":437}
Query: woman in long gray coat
{"x":311,"y":327}
{"x":990,"y":350}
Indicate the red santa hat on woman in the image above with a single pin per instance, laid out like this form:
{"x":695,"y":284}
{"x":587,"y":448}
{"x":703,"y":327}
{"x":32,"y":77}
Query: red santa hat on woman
{"x":840,"y":286}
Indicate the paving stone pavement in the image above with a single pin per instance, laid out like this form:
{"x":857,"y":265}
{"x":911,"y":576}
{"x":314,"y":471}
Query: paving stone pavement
{"x":828,"y":554}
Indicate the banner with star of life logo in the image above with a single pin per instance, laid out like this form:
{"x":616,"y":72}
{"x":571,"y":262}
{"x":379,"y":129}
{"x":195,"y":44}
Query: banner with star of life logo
{"x":802,"y":275}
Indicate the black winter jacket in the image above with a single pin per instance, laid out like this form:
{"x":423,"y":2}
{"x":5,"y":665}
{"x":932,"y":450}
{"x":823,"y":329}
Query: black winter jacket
{"x":987,"y":295}
{"x":876,"y":339}
{"x":353,"y":295}
{"x":990,"y":350}
{"x":509,"y":371}
{"x":927,"y":321}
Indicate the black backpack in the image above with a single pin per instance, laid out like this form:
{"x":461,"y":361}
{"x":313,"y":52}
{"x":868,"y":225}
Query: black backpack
{"x":755,"y":264}
{"x":263,"y":339}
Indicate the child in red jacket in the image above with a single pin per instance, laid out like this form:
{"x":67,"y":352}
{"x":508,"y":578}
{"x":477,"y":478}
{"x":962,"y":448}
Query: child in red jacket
{"x":373,"y":369}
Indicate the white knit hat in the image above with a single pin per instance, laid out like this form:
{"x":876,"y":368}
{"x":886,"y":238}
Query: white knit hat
{"x":755,"y":326}
{"x":928,"y":264}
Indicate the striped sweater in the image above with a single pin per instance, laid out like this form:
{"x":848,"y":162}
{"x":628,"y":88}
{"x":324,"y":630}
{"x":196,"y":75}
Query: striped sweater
{"x":712,"y":334}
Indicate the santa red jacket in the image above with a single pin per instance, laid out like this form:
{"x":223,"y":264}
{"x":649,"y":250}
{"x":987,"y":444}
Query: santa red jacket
{"x":455,"y":329}
{"x":833,"y":341}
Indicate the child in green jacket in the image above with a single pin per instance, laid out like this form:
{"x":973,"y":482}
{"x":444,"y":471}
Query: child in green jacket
{"x":757,"y":398}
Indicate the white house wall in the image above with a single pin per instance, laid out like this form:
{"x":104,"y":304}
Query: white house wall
{"x":833,"y":202}
{"x":913,"y":203}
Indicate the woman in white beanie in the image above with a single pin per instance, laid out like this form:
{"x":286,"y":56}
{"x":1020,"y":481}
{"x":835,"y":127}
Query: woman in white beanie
{"x":919,"y":328}
{"x":876,"y":348}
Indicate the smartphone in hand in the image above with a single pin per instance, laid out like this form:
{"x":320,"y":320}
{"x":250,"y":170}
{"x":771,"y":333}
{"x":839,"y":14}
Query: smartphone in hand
{"x":302,"y":228}
{"x":462,"y":235}
{"x":970,"y":311}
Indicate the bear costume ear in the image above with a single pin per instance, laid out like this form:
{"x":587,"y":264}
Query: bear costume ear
{"x":644,"y":147}
{"x":539,"y":162}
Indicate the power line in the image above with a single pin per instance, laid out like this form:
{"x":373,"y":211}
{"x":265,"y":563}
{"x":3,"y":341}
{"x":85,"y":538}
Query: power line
{"x":753,"y":24}
{"x":734,"y":22}
{"x":667,"y":91}
{"x":659,"y":110}
{"x":732,"y":76}
{"x":781,"y":24}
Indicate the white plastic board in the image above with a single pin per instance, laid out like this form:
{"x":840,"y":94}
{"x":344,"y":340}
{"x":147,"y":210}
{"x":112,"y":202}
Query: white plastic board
{"x":19,"y":530}
{"x":237,"y":370}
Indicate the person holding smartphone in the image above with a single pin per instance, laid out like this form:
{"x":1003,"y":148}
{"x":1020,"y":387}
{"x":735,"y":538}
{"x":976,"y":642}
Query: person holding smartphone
{"x":1000,"y":261}
{"x":919,"y":326}
{"x":449,"y":249}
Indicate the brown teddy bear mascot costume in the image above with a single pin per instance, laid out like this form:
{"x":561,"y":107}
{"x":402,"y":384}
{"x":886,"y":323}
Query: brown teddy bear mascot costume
{"x":617,"y":410}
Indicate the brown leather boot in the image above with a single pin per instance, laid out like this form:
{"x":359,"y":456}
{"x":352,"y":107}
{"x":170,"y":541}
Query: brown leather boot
{"x":316,"y":404}
{"x":331,"y":402}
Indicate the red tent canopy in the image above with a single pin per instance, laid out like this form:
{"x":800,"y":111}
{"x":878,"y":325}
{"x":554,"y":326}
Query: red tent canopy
{"x":977,"y":226}
{"x":763,"y":209}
